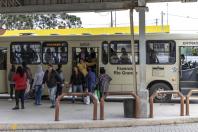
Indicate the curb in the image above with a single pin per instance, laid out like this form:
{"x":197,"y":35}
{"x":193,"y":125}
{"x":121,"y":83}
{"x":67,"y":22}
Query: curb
{"x":96,"y":124}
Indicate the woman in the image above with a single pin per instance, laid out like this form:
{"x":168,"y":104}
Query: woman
{"x":20,"y":80}
{"x":76,"y":80}
{"x":37,"y":85}
{"x":10,"y":78}
{"x":103,"y":82}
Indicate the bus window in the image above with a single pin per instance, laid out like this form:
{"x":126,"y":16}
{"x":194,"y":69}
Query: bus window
{"x":120,"y":52}
{"x":105,"y":52}
{"x":55,"y":52}
{"x":160,"y":52}
{"x":29,"y":52}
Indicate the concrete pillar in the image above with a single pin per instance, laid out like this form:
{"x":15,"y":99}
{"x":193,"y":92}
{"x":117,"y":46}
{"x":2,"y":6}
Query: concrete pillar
{"x":142,"y":91}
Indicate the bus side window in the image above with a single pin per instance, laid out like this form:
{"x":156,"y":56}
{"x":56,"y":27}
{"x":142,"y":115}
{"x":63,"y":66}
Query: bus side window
{"x":160,"y":52}
{"x":105,"y":52}
{"x":29,"y":52}
{"x":55,"y":52}
{"x":120,"y":52}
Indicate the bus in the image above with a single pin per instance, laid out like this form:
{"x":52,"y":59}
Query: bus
{"x":171,"y":59}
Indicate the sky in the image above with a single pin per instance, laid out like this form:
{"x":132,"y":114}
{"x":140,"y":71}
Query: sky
{"x":182,"y":17}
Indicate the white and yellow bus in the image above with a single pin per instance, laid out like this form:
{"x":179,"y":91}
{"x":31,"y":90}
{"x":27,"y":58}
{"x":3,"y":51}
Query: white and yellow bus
{"x":171,"y":59}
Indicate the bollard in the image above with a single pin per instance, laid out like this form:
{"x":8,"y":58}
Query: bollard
{"x":57,"y":108}
{"x":167,"y":92}
{"x":188,"y":100}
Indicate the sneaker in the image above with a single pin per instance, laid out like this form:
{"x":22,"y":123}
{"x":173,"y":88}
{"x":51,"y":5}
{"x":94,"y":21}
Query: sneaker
{"x":15,"y":108}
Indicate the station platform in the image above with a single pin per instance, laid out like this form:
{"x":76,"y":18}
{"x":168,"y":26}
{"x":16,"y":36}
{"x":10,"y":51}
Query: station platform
{"x":79,"y":115}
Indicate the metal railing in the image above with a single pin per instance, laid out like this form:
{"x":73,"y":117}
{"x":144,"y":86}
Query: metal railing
{"x":188,"y":100}
{"x":167,"y":92}
{"x":137,"y":102}
{"x":57,"y":108}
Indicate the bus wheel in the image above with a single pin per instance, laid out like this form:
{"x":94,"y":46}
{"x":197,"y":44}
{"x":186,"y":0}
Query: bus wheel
{"x":161,"y":98}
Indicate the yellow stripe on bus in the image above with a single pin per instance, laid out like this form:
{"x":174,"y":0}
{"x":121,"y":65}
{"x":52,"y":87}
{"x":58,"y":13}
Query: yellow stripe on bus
{"x":91,"y":31}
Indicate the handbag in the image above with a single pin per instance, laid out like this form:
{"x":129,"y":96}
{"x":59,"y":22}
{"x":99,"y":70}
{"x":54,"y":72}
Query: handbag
{"x":97,"y":93}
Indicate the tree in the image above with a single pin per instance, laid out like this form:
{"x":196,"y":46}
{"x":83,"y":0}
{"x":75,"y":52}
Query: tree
{"x":39,"y":21}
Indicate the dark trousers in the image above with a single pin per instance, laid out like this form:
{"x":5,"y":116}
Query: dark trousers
{"x":19,"y":94}
{"x":11,"y":90}
{"x":59,"y":90}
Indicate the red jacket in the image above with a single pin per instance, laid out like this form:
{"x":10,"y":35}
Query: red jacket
{"x":20,"y":82}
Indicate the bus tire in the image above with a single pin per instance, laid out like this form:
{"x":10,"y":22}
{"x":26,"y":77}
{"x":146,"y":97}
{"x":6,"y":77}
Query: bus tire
{"x":161,"y":98}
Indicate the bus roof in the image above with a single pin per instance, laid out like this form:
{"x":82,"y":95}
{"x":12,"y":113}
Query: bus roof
{"x":85,"y":31}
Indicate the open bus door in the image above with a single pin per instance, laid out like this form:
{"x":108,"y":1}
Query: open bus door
{"x":89,"y":54}
{"x":188,"y":68}
{"x":3,"y":70}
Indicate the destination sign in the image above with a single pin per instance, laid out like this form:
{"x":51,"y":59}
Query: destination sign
{"x":54,"y":44}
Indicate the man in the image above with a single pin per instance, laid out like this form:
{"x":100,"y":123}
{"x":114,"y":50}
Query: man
{"x":51,"y":78}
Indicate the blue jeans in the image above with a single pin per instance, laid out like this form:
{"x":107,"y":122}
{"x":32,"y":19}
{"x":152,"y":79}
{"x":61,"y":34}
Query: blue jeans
{"x":38,"y":94}
{"x":76,"y":88}
{"x":52,"y":95}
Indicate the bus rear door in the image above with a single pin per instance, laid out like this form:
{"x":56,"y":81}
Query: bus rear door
{"x":188,"y":68}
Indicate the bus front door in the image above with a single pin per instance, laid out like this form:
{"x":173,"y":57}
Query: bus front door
{"x":188,"y":68}
{"x":3,"y":71}
{"x":89,"y":54}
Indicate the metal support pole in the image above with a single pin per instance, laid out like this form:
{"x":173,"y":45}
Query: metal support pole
{"x":142,"y":91}
{"x":133,"y":51}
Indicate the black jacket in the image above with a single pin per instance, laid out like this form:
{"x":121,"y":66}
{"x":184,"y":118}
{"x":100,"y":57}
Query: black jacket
{"x":52,"y":80}
{"x":77,"y":79}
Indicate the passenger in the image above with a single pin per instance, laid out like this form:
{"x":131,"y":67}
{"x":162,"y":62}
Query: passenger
{"x":92,"y":54}
{"x":153,"y":57}
{"x":184,"y":64}
{"x":104,"y":56}
{"x":82,"y":66}
{"x":83,"y":54}
{"x":20,"y":80}
{"x":37,"y":85}
{"x":92,"y":59}
{"x":10,"y":79}
{"x":60,"y":85}
{"x":51,"y":78}
{"x":63,"y":56}
{"x":91,"y":80}
{"x":55,"y":55}
{"x":76,"y":81}
{"x":48,"y":56}
{"x":113,"y":57}
{"x":124,"y":58}
{"x":28,"y":72}
{"x":103,"y":82}
{"x":24,"y":54}
{"x":31,"y":54}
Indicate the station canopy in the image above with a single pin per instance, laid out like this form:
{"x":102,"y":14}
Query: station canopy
{"x":30,"y":6}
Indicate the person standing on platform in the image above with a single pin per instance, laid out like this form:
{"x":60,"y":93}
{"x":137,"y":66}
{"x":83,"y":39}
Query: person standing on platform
{"x":37,"y":84}
{"x":11,"y":82}
{"x":76,"y":81}
{"x":20,"y":80}
{"x":51,"y":78}
{"x":103,"y":82}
